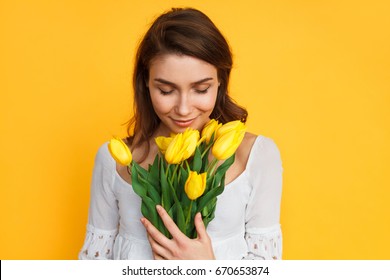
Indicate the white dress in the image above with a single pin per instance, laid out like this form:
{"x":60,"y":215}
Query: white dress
{"x":246,"y":223}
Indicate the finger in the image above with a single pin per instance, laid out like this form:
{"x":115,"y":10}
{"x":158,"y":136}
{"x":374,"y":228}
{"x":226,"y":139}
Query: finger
{"x":157,"y":249}
{"x":155,"y":234}
{"x":200,"y":228}
{"x":158,"y":257}
{"x":169,"y":223}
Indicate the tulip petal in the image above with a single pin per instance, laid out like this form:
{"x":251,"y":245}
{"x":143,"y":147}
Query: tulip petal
{"x":229,"y":138}
{"x":163,"y":143}
{"x":120,"y":151}
{"x":211,"y":127}
{"x":195,"y":185}
{"x":172,"y":153}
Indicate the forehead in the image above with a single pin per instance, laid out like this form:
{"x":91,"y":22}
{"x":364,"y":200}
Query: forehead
{"x":181,"y":68}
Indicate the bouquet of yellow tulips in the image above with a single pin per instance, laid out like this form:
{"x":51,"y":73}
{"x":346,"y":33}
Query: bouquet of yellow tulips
{"x":183,"y":178}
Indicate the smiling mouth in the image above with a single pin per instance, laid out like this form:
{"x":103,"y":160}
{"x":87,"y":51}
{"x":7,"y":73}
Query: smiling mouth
{"x":183,"y":123}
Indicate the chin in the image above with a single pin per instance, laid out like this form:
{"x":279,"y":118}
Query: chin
{"x":181,"y":129}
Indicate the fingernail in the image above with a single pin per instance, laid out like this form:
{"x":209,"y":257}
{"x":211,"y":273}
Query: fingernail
{"x":159,"y":208}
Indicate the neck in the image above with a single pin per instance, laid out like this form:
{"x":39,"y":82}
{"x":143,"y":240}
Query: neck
{"x":162,"y":130}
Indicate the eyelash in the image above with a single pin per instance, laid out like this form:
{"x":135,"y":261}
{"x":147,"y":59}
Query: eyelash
{"x":165,"y":92}
{"x":202,"y":91}
{"x":197,"y":91}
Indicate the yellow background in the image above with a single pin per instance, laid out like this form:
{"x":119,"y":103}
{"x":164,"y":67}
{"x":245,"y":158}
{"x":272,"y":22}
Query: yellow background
{"x":314,"y":75}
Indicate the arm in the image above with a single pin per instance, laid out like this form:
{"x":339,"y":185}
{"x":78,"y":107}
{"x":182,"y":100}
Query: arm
{"x":103,"y":211}
{"x":263,"y":234}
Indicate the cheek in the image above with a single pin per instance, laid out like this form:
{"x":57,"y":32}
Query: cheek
{"x":207,"y":102}
{"x":161,"y":104}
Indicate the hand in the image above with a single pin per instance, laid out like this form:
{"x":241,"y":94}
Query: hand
{"x":180,"y":247}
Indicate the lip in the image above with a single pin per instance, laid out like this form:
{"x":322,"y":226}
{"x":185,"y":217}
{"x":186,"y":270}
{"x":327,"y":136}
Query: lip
{"x":183,"y":123}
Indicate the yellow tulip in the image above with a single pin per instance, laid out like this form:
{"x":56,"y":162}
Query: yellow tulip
{"x":172,"y":154}
{"x":211,"y":127}
{"x":182,"y":146}
{"x":229,"y":138}
{"x":227,"y":127}
{"x":191,"y":138}
{"x":195,"y":185}
{"x":163,"y":143}
{"x":120,"y":151}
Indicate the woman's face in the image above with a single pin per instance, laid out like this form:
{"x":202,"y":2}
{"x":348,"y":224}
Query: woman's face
{"x":183,"y":90}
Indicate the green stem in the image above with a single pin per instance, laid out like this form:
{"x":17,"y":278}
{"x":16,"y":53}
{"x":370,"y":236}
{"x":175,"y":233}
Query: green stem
{"x":177,"y":166}
{"x":189,"y":213}
{"x":173,"y":176}
{"x":179,"y":176}
{"x":166,"y":171}
{"x":162,"y":193}
{"x":206,"y":150}
{"x":212,"y":166}
{"x":174,"y":193}
{"x":188,"y":167}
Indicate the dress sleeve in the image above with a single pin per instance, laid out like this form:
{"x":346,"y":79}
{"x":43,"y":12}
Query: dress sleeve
{"x":103,"y":216}
{"x":263,"y":234}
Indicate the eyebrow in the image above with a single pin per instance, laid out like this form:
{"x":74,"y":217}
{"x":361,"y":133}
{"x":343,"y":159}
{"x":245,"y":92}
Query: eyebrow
{"x":173,"y":84}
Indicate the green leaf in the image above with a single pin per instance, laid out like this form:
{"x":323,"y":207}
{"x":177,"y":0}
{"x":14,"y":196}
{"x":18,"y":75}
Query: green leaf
{"x":202,"y":146}
{"x":205,"y":199}
{"x":171,"y":170}
{"x":197,"y":160}
{"x":220,"y":173}
{"x":171,"y":211}
{"x":184,"y":174}
{"x":138,"y":188}
{"x":225,"y":166}
{"x":208,"y":219}
{"x":153,"y":176}
{"x":173,"y":193}
{"x":166,"y":198}
{"x":209,"y":209}
{"x":191,"y":230}
{"x":148,"y":209}
{"x":174,"y":179}
{"x":176,"y":211}
{"x":212,"y":138}
{"x":205,"y":162}
{"x":161,"y":227}
{"x":217,"y":180}
{"x":151,"y":191}
{"x":194,"y":209}
{"x":180,"y":220}
{"x":208,"y":212}
{"x":180,"y":188}
{"x":141,"y":171}
{"x":185,"y":201}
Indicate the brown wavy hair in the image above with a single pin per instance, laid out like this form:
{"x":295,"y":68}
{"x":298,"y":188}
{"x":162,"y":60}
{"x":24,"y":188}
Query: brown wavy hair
{"x":180,"y":31}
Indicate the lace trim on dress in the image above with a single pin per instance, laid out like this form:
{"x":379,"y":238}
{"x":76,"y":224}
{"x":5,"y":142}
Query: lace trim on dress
{"x":264,"y":245}
{"x":98,"y":244}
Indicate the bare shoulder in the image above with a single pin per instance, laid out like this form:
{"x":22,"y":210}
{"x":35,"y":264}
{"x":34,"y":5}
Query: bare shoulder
{"x":245,"y":148}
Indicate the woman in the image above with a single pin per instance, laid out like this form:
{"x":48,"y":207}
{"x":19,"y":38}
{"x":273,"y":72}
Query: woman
{"x":181,"y":80}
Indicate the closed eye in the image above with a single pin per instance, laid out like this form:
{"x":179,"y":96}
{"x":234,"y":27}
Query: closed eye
{"x":202,"y":91}
{"x":165,"y":92}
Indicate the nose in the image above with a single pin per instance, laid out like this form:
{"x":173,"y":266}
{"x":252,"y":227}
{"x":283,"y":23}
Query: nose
{"x":183,"y":106}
